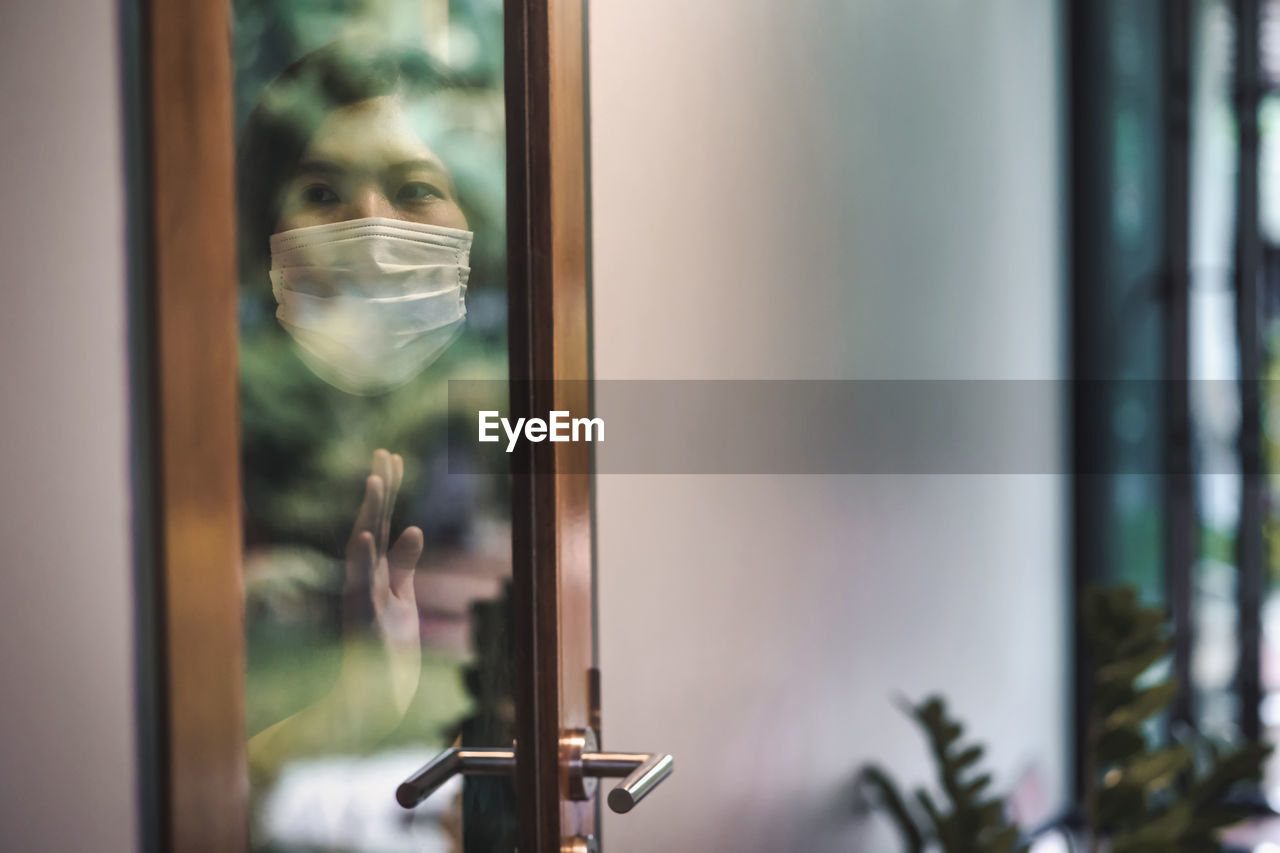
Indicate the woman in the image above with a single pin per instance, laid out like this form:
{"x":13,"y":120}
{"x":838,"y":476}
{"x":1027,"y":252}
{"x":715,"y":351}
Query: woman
{"x":355,"y":215}
{"x":348,"y":210}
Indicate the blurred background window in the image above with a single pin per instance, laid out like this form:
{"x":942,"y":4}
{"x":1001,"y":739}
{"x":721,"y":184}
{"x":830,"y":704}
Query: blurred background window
{"x":1176,"y":183}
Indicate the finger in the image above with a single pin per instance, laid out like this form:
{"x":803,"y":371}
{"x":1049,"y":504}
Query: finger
{"x":370,"y":509}
{"x":403,"y":560}
{"x":380,"y":580}
{"x":382,"y":468}
{"x":395,"y":475}
{"x":361,"y":559}
{"x":357,"y":604}
{"x":397,"y":470}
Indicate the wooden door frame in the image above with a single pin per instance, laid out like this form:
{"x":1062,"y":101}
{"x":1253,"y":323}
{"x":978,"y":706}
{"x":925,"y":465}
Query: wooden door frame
{"x":548,"y":260}
{"x":195,"y":455}
{"x":192,"y":411}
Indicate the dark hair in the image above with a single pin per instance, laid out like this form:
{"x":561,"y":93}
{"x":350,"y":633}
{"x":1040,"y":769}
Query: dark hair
{"x":291,"y":110}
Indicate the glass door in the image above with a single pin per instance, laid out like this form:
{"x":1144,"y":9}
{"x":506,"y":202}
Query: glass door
{"x":370,"y":143}
{"x":367,"y":228}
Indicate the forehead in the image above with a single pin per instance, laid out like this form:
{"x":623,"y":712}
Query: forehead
{"x":377,"y":130}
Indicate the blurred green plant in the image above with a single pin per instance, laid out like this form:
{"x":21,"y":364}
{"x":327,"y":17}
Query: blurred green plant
{"x":1141,"y":796}
{"x":971,"y":821}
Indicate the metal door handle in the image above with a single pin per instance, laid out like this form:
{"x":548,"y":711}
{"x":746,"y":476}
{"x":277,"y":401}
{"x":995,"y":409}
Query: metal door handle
{"x":640,"y":773}
{"x":442,"y":768}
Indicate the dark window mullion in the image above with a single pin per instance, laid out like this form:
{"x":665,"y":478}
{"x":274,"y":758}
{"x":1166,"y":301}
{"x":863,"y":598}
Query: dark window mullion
{"x":1181,"y":525}
{"x":1249,"y":89}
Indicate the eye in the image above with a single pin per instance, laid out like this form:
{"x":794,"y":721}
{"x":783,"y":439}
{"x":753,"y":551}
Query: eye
{"x":418,"y":191}
{"x":319,"y":194}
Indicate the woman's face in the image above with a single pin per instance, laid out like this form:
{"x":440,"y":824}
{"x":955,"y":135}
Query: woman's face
{"x":366,"y":160}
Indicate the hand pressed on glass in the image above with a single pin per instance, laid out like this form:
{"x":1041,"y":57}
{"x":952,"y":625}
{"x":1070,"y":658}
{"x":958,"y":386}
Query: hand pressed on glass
{"x":379,"y":593}
{"x":381,"y":649}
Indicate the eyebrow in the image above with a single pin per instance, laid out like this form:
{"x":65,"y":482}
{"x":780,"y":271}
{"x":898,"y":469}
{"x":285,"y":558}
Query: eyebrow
{"x":330,"y":167}
{"x":420,"y":163}
{"x":333,"y":170}
{"x":321,"y":167}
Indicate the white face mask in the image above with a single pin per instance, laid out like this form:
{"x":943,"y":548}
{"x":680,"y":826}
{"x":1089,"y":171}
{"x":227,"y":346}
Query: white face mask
{"x":370,"y":302}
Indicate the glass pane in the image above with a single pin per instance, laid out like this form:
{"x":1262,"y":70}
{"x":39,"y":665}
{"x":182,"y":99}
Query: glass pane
{"x":373,"y":271}
{"x":1124,"y":510}
{"x":1213,"y":357}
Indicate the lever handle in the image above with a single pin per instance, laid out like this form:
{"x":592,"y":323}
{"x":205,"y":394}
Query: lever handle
{"x":442,"y":768}
{"x":640,"y":773}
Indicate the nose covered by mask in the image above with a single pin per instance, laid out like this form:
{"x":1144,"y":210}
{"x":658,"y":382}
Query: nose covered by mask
{"x":370,"y":302}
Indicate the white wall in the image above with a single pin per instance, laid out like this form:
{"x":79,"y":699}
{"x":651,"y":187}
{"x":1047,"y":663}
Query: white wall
{"x":865,"y":189}
{"x":67,"y":731}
